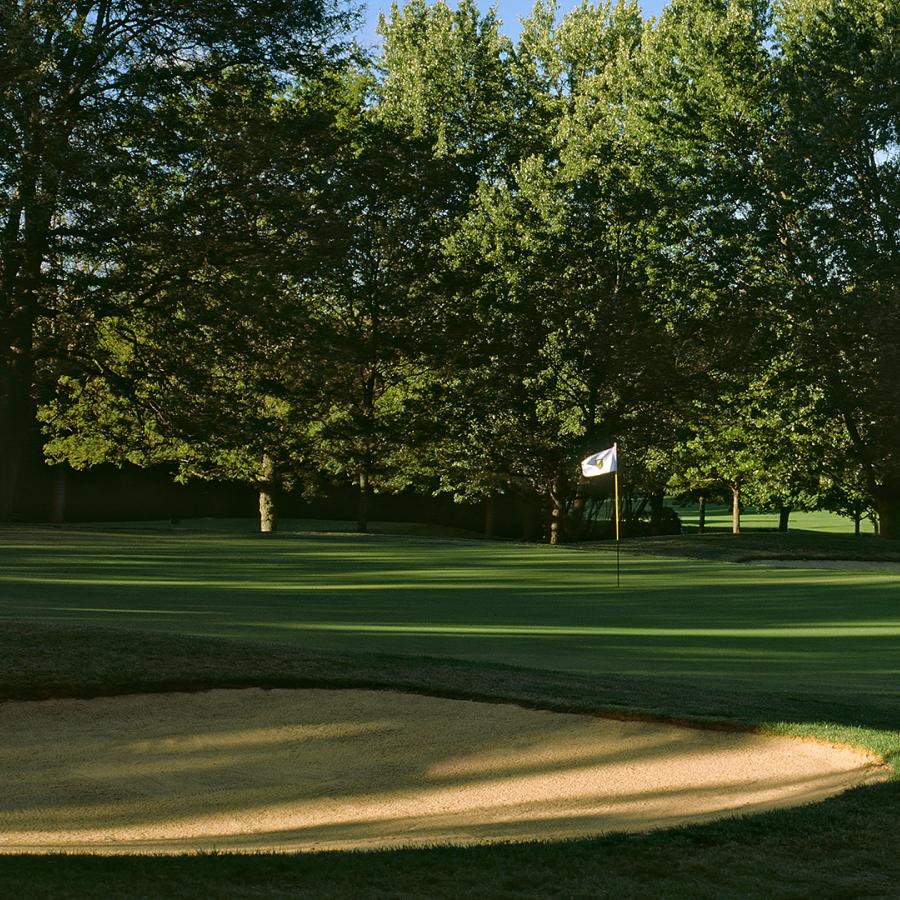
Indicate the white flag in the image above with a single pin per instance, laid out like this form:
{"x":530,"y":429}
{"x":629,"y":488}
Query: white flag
{"x":600,"y":463}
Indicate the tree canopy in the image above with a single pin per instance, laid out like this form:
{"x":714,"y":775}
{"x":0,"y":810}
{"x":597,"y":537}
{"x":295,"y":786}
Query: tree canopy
{"x":235,"y":244}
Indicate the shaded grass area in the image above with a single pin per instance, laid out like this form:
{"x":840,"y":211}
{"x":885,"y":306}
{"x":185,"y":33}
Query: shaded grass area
{"x":803,"y":653}
{"x":41,"y":661}
{"x":753,"y":545}
{"x":285,"y":526}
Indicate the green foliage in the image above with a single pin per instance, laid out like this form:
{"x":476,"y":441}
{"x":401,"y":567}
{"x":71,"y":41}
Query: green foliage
{"x":96,"y":105}
{"x":207,"y":364}
{"x":466,"y":263}
{"x":838,"y":170}
{"x":443,"y":78}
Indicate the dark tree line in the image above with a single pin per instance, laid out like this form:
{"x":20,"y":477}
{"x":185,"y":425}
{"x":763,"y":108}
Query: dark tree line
{"x":235,"y":244}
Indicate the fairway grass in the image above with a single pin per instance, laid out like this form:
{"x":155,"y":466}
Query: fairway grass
{"x":718,"y":519}
{"x":803,"y":652}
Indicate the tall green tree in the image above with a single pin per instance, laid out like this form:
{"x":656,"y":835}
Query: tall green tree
{"x":569,"y":347}
{"x":374,"y":290}
{"x":429,"y":124}
{"x":81,"y":81}
{"x":835,"y":162}
{"x":443,"y":76}
{"x":213,"y":361}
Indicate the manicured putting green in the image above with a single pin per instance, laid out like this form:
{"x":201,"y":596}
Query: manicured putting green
{"x":832,"y":633}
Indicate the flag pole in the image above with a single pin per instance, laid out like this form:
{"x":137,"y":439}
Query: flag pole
{"x":616,"y":477}
{"x":605,"y":462}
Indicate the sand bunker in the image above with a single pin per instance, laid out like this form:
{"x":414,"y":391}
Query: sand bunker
{"x":254,"y":770}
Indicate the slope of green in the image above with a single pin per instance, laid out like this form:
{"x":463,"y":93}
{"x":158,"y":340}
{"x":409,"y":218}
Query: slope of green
{"x":828,"y":632}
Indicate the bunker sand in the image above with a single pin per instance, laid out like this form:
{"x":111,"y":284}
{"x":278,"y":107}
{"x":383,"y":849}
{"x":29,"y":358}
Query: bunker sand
{"x":300,"y":770}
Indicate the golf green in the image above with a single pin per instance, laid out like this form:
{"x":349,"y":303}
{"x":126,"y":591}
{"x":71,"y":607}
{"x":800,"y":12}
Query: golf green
{"x":828,"y":632}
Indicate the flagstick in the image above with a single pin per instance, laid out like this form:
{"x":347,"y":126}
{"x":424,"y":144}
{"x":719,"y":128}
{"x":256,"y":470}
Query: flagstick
{"x":602,"y":463}
{"x":616,"y":476}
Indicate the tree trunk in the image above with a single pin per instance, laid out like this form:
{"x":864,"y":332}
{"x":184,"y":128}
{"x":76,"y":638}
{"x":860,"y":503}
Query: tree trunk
{"x":268,"y":515}
{"x":554,"y":524}
{"x":701,"y":517}
{"x":17,"y":423}
{"x":887,"y":518}
{"x":735,"y":509}
{"x":886,"y":500}
{"x":656,"y":508}
{"x":557,"y":513}
{"x":489,"y":514}
{"x":857,"y":521}
{"x":784,"y":513}
{"x":58,"y":500}
{"x":24,"y":243}
{"x":362,"y":513}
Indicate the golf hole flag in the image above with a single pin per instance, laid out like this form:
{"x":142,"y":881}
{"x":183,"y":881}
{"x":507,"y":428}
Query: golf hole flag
{"x":601,"y":463}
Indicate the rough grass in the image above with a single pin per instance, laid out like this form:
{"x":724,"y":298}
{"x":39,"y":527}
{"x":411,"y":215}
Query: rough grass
{"x":93,"y":613}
